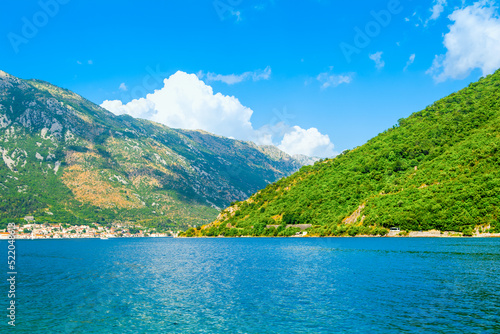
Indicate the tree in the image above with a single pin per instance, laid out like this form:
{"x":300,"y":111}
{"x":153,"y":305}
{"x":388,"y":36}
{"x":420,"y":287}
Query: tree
{"x":468,"y":232}
{"x":135,"y":230}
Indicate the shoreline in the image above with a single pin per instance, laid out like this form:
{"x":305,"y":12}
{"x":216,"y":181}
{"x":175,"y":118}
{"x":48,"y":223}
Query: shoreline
{"x":390,"y":234}
{"x":420,"y":235}
{"x":440,"y":234}
{"x":30,"y":239}
{"x":482,"y":236}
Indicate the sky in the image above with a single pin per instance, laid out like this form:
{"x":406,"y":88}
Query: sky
{"x":312,"y":77}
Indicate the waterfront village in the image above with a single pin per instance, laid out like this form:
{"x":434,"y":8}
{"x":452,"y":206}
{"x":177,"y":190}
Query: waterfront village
{"x":32,"y":230}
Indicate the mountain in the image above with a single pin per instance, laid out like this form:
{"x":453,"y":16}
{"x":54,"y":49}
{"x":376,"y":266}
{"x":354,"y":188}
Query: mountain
{"x":68,"y":160}
{"x":437,"y":169}
{"x":276,"y":153}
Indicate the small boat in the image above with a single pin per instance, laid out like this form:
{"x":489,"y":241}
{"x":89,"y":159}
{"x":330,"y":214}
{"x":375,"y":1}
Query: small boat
{"x":104,"y":237}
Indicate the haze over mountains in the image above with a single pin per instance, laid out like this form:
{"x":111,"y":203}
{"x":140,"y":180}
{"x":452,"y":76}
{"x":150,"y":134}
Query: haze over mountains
{"x":68,"y":160}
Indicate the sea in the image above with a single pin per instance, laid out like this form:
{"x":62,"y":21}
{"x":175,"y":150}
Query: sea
{"x":254,"y":285}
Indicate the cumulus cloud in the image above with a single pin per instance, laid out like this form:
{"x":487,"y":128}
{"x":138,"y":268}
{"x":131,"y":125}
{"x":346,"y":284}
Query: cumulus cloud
{"x":377,"y":58}
{"x":328,"y":79}
{"x":232,"y":79}
{"x":187,"y":102}
{"x":123,"y":87}
{"x":410,"y":61}
{"x":141,"y":108}
{"x":472,"y":42}
{"x":308,"y":142}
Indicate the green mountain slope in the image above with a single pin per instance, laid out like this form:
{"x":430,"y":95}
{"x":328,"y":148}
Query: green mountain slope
{"x":437,"y":169}
{"x":68,"y":160}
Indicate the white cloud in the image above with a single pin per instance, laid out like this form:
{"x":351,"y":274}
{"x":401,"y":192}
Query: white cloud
{"x":410,"y":61}
{"x":90,"y":62}
{"x":78,"y":62}
{"x":377,"y":58}
{"x":328,"y":79}
{"x":187,"y":102}
{"x":472,"y":42}
{"x":308,"y":142}
{"x":123,"y":87}
{"x":437,"y":9}
{"x":232,"y":79}
{"x":141,"y":108}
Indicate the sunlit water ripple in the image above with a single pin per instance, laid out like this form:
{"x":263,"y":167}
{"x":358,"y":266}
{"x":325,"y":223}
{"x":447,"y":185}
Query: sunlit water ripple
{"x":257,"y":285}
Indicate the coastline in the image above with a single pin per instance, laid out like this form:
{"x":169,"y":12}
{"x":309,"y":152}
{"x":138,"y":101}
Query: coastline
{"x":416,"y":234}
{"x":411,"y":235}
{"x":88,"y":238}
{"x":390,"y":234}
{"x":440,"y":234}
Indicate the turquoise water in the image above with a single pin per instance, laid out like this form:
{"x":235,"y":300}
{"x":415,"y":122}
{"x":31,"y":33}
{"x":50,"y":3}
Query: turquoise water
{"x":245,"y":285}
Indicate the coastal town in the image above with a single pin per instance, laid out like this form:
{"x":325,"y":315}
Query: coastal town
{"x":33,"y":230}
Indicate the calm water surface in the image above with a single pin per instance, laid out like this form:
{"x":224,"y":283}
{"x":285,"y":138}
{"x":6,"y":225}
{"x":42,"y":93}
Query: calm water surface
{"x":244,"y":285}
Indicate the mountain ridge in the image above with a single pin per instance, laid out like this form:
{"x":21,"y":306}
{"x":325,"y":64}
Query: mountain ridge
{"x":438,"y":169}
{"x":104,"y":167}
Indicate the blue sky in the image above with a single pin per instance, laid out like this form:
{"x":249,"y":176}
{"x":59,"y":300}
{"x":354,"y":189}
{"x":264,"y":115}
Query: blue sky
{"x":282,"y":60}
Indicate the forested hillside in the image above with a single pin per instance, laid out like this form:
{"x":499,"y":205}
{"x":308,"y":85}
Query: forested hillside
{"x":67,"y":160}
{"x":437,"y":169}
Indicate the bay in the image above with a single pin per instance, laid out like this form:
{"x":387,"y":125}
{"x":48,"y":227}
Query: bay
{"x":256,"y":285}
